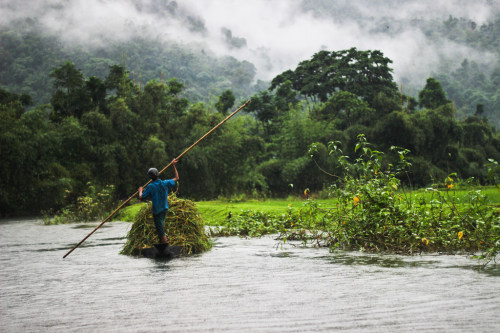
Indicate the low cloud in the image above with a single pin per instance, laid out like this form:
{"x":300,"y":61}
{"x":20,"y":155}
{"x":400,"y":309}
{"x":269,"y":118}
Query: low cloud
{"x":275,"y":35}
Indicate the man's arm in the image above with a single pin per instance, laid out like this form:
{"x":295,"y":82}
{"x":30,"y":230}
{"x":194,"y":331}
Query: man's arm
{"x":140,"y":192}
{"x":176,"y":177}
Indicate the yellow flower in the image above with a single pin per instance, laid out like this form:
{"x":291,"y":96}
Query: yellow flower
{"x":356,"y":200}
{"x":449,"y":179}
{"x":399,"y":197}
{"x":343,"y":223}
{"x":460,"y":234}
{"x":450,"y":186}
{"x":425,"y":240}
{"x":376,"y":171}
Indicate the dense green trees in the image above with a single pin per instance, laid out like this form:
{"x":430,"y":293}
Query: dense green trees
{"x":107,"y":131}
{"x":351,"y":92}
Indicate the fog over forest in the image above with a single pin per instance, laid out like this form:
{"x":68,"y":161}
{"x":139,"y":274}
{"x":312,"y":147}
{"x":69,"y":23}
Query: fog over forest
{"x":273,"y":35}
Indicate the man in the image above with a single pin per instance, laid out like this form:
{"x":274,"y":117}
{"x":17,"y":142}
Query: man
{"x":157,"y":190}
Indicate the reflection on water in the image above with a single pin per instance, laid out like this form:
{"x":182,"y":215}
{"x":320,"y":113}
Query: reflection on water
{"x":240,"y":285}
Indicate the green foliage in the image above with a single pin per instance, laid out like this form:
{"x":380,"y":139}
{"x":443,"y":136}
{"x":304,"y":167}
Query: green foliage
{"x":96,"y":204}
{"x":225,"y":102}
{"x":493,"y":172}
{"x":71,"y":97}
{"x":363,"y":73}
{"x":262,"y":106}
{"x":345,"y":109}
{"x":250,"y":223}
{"x":433,"y":95}
{"x":474,"y":88}
{"x":374,"y":213}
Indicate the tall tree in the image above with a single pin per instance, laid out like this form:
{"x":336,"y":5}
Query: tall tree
{"x":433,"y":95}
{"x":225,"y":102}
{"x":363,"y":73}
{"x":71,"y":97}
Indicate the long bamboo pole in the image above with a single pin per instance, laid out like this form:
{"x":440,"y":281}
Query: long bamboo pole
{"x":165,"y":168}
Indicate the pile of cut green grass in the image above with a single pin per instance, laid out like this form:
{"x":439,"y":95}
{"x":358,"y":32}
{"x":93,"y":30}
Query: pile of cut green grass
{"x":183,"y":226}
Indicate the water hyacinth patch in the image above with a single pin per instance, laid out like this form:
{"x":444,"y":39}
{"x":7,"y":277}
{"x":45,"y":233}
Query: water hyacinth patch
{"x":389,"y":219}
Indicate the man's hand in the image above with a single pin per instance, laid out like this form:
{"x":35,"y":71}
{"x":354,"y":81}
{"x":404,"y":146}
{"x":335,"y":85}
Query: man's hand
{"x":140,"y":192}
{"x":176,"y":177}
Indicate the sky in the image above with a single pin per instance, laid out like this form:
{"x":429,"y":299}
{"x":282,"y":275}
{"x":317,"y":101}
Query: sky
{"x":276,"y":34}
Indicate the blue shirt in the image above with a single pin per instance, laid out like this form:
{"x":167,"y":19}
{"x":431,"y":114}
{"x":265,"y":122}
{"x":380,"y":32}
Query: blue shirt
{"x":158,"y":191}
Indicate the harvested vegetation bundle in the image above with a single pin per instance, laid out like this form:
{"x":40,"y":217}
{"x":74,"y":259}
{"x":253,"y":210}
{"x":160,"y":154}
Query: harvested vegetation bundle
{"x":183,"y":226}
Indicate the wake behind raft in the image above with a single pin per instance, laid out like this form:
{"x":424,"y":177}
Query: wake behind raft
{"x":184,"y":228}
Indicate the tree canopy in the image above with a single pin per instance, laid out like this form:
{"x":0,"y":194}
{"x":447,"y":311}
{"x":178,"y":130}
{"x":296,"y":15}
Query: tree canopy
{"x":105,"y":131}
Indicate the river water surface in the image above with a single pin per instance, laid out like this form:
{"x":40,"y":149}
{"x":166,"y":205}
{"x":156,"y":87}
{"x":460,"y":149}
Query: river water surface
{"x":241,"y":285}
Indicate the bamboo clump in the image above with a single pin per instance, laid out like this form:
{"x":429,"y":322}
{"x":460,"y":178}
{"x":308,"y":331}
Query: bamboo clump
{"x":183,"y":227}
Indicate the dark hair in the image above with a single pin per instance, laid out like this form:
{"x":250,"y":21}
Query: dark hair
{"x":153,"y":173}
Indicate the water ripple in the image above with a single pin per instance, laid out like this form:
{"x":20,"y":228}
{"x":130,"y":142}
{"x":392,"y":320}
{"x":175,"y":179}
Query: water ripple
{"x":240,"y":285}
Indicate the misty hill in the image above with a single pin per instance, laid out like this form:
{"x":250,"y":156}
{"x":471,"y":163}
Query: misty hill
{"x":29,"y":56}
{"x":211,"y":48}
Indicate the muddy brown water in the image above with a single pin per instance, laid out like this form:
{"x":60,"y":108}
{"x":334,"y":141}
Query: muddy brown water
{"x":241,"y":285}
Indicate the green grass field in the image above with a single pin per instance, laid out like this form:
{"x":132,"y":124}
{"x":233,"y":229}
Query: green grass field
{"x":214,"y":211}
{"x":492,"y":192}
{"x":218,"y":210}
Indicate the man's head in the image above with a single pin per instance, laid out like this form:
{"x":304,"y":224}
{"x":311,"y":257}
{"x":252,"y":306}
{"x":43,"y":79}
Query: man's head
{"x":153,"y":173}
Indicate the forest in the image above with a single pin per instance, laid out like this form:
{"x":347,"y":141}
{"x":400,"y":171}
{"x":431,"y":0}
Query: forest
{"x":77,"y":121}
{"x":96,"y":133}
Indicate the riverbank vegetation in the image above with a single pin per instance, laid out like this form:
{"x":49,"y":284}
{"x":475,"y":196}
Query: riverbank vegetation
{"x":373,"y":212}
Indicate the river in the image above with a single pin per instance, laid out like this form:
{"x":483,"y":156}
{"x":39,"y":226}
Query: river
{"x":241,"y":285}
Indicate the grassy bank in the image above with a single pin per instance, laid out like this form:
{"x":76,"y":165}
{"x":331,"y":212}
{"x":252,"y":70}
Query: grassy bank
{"x":431,"y":220}
{"x":217,"y":211}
